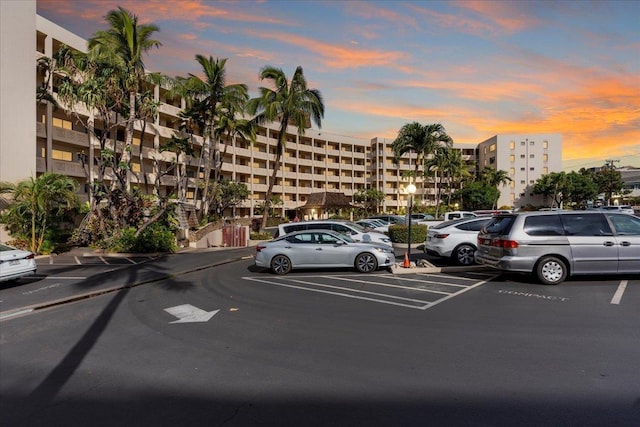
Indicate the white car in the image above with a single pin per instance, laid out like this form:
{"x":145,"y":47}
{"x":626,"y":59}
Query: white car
{"x":373,"y":224}
{"x":322,"y":249}
{"x":619,"y":208}
{"x":348,"y":228}
{"x":455,"y":239}
{"x":15,"y":263}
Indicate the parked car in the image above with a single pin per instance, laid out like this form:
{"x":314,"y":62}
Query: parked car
{"x":554,"y":245}
{"x":322,"y":249}
{"x":422,"y":217}
{"x":393,"y":219}
{"x":15,"y":263}
{"x":351,"y":229}
{"x":373,"y":224}
{"x":455,"y":239}
{"x":618,"y":208}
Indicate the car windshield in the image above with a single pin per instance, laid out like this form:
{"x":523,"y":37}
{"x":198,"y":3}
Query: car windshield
{"x":355,"y":226}
{"x":6,"y":248}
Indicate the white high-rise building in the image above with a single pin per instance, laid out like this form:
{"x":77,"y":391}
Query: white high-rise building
{"x":525,"y":157}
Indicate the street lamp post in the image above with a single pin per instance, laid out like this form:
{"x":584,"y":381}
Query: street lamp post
{"x":411,"y":189}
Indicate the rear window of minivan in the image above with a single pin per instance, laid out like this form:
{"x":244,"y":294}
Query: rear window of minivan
{"x":543,"y":225}
{"x":499,"y":225}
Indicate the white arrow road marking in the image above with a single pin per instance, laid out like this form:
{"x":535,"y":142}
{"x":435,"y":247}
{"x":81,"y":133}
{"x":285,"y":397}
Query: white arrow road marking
{"x":187,"y":313}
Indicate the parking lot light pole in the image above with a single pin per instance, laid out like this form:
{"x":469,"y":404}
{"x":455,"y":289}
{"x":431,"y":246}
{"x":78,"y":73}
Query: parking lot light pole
{"x":411,"y":189}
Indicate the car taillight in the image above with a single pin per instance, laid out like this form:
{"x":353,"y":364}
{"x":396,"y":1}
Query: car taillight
{"x":506,"y":244}
{"x":441,"y":236}
{"x":30,"y":256}
{"x":260,"y":247}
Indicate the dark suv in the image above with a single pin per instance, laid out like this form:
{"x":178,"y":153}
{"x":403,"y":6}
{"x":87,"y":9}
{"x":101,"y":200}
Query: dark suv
{"x":554,"y":245}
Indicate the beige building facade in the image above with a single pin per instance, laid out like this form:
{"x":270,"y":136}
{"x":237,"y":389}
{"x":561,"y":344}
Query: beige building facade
{"x":36,"y":138}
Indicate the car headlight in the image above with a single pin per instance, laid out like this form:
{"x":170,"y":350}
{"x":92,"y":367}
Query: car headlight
{"x":386,"y":240}
{"x":384,"y":250}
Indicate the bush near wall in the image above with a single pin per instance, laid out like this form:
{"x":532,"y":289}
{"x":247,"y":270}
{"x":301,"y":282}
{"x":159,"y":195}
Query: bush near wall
{"x":400,"y":233}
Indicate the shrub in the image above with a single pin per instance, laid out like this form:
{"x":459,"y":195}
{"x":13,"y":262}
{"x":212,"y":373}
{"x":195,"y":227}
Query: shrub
{"x":400,"y":233}
{"x":155,"y":238}
{"x":263,"y":236}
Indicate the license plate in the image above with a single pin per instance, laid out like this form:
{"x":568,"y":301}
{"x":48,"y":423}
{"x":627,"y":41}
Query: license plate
{"x":14,"y":262}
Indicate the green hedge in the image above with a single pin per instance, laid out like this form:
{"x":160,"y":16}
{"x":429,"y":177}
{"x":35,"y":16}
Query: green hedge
{"x":400,"y":233}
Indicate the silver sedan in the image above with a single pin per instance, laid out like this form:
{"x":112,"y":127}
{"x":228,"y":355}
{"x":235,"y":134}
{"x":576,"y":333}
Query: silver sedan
{"x":321,"y":249}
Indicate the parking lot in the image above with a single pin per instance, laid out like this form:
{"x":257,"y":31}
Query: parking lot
{"x":416,"y":291}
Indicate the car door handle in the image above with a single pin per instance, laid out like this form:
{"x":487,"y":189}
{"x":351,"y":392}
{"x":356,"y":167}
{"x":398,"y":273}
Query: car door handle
{"x":608,"y":243}
{"x":625,"y":244}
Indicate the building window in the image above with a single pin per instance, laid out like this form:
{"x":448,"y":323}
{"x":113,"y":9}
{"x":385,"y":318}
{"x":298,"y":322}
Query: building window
{"x":531,"y":156}
{"x":512,"y":171}
{"x":512,"y":197}
{"x":522,"y":143}
{"x":61,"y":123}
{"x":532,"y":168}
{"x":512,"y":145}
{"x":522,"y":156}
{"x":512,"y":158}
{"x":545,"y":170}
{"x":512,"y":184}
{"x":522,"y":169}
{"x":545,"y":144}
{"x":61,"y":155}
{"x":545,"y":158}
{"x":522,"y":182}
{"x":532,"y":143}
{"x":492,"y":147}
{"x":492,"y":160}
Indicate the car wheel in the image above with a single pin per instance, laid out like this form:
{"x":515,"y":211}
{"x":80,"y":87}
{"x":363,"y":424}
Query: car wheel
{"x":280,"y":264}
{"x":551,"y":270}
{"x":464,"y":255}
{"x":366,"y":263}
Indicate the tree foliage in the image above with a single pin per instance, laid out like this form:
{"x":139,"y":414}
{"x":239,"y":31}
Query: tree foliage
{"x":37,"y":205}
{"x":288,"y":103}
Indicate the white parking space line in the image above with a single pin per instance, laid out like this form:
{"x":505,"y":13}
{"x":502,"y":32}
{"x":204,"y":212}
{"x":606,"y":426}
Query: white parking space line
{"x":103,"y":260}
{"x":617,"y":297}
{"x":339,"y":293}
{"x":384,"y":298}
{"x":389,"y":285}
{"x":360,"y":291}
{"x":130,"y":260}
{"x":77,"y":260}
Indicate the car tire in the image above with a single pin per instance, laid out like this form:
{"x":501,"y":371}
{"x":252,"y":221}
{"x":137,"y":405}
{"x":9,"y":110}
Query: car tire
{"x":464,"y":255}
{"x":551,"y":270}
{"x":281,"y":264}
{"x":366,"y":263}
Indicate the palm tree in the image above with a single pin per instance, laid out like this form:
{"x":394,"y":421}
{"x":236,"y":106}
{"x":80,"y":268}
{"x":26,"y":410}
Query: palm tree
{"x":288,"y":102}
{"x":37,"y":200}
{"x":495,"y":178}
{"x":124,"y":44}
{"x":213,"y":104}
{"x":423,"y":139}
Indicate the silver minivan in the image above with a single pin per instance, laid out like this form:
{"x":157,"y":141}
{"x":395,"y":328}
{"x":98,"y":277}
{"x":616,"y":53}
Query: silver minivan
{"x":554,"y":245}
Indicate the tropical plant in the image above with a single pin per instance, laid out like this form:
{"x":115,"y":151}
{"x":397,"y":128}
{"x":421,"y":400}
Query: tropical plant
{"x":37,"y":204}
{"x":288,"y":102}
{"x":477,"y":195}
{"x":423,"y":140}
{"x":123,"y":44}
{"x":369,"y":199}
{"x":215,"y":108}
{"x":494,"y":178}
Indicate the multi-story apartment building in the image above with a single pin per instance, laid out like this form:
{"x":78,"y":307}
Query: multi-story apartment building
{"x":526,"y":158}
{"x":37,"y":138}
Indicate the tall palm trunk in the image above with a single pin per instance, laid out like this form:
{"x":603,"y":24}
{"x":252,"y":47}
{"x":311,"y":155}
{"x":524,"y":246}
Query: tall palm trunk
{"x":267,"y":200}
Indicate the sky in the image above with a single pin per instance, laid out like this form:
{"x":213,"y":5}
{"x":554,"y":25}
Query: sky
{"x":480,"y":68}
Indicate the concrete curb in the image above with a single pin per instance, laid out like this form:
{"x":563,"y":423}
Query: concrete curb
{"x":399,"y":269}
